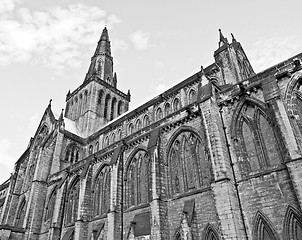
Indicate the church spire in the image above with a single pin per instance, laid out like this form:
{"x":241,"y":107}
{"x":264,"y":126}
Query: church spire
{"x":101,"y":65}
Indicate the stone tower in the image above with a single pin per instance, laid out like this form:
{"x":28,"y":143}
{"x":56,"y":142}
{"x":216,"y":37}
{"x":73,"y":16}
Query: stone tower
{"x":232,"y":60}
{"x":97,"y":101}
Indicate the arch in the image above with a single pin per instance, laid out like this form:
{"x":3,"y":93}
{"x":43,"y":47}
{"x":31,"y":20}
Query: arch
{"x":50,"y":206}
{"x":130,"y":128}
{"x":158,"y":114}
{"x":106,"y":107}
{"x":138,"y":178}
{"x":292,"y":225}
{"x":119,"y":134}
{"x":21,"y":213}
{"x":262,"y":228}
{"x":112,"y":138}
{"x":120,"y":108}
{"x":146,"y":121}
{"x":71,"y":213}
{"x":138,"y":124}
{"x":210,"y":233}
{"x":100,"y":102}
{"x":295,"y":81}
{"x":113,"y":106}
{"x":188,"y":161}
{"x":257,"y":144}
{"x":97,"y":146}
{"x":90,"y":150}
{"x":106,"y":141}
{"x":176,"y":104}
{"x":101,"y":194}
{"x":72,"y":153}
{"x":167,"y":109}
{"x":192,"y":96}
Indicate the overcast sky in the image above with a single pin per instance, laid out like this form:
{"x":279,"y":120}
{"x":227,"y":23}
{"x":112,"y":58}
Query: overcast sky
{"x":46,"y":46}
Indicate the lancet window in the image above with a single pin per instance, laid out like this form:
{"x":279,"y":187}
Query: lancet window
{"x":101,"y":199}
{"x":189,"y":163}
{"x":21,"y":214}
{"x":51,"y":205}
{"x":72,"y":202}
{"x":138,"y":176}
{"x":106,"y":107}
{"x":72,"y":153}
{"x":256,"y":139}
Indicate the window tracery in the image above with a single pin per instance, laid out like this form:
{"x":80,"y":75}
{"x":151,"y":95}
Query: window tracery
{"x":101,"y":200}
{"x":189,"y":163}
{"x":256,"y":142}
{"x":72,"y":153}
{"x":51,"y":205}
{"x":21,"y":214}
{"x":138,"y":176}
{"x":72,"y":202}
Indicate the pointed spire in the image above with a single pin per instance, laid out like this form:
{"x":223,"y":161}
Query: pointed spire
{"x":105,"y":36}
{"x":222,"y":40}
{"x":233,"y":38}
{"x":49,"y":104}
{"x":61,"y":115}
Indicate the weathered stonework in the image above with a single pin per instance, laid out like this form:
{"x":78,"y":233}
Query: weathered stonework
{"x":218,"y":156}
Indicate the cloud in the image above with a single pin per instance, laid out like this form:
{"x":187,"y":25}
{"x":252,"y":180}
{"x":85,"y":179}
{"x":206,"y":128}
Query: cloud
{"x":140,"y":39}
{"x":56,"y":38}
{"x":6,"y":160}
{"x":270,"y":51}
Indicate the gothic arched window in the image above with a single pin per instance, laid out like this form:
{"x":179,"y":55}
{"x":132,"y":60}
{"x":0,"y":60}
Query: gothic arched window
{"x":176,"y":104}
{"x":51,"y":205}
{"x":146,"y":121}
{"x":97,"y":146}
{"x":138,"y":184}
{"x":189,"y":163}
{"x":192,"y":96}
{"x":113,"y":106}
{"x":21,"y":214}
{"x":262,"y":229}
{"x":120,"y":108}
{"x":167,"y":109}
{"x":138,"y":124}
{"x":72,"y":153}
{"x":100,"y":102}
{"x":256,"y":140}
{"x":101,"y":199}
{"x":90,"y":151}
{"x":72,"y":202}
{"x":106,"y":110}
{"x":292,"y":225}
{"x":130,"y":128}
{"x":159,"y":114}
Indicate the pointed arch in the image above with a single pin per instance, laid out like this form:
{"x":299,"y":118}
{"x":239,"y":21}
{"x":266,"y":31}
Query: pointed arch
{"x":71,"y":213}
{"x":176,"y":104}
{"x":21,"y":213}
{"x":210,"y":233}
{"x":167,"y":109}
{"x":262,"y":228}
{"x":106,"y":107}
{"x":189,"y":165}
{"x":50,"y":206}
{"x":158,"y":114}
{"x":120,"y":108}
{"x":292,"y":225}
{"x":138,"y":178}
{"x":113,"y":107}
{"x":192,"y":96}
{"x":101,"y":194}
{"x":146,"y":121}
{"x":255,"y":136}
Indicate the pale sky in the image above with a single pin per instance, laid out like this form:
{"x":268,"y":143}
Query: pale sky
{"x":46,"y":46}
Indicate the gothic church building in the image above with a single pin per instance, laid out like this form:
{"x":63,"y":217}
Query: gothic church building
{"x":217,"y":156}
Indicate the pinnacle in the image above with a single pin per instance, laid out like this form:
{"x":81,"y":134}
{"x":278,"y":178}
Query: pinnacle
{"x":105,"y":35}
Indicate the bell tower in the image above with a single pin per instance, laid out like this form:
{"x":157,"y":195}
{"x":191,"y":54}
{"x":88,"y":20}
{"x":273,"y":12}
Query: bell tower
{"x":97,"y":101}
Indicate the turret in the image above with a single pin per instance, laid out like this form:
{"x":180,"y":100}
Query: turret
{"x":232,"y":60}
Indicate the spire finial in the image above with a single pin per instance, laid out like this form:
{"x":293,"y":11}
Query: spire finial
{"x":222,"y":40}
{"x":61,"y":115}
{"x":49,"y":104}
{"x":233,"y":38}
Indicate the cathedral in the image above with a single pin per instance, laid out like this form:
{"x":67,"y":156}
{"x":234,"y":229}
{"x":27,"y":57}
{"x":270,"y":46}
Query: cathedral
{"x":217,"y":156}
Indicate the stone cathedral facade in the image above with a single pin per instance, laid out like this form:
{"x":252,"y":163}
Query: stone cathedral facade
{"x":218,"y":156}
